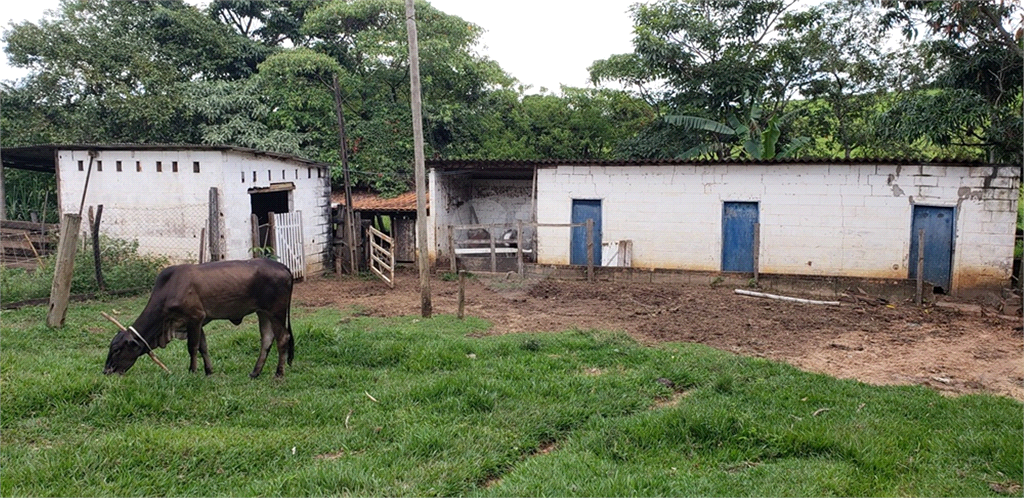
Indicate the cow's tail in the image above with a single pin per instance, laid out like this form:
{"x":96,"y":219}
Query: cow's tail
{"x":291,"y":338}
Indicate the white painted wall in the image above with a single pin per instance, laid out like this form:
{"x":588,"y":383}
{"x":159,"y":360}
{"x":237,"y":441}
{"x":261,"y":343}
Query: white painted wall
{"x":166,"y":210}
{"x":847,"y":219}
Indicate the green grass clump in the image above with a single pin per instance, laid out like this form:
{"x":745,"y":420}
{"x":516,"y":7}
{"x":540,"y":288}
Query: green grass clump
{"x":421,"y":407}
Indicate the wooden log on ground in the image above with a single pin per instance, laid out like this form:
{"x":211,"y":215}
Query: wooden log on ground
{"x":743,"y":292}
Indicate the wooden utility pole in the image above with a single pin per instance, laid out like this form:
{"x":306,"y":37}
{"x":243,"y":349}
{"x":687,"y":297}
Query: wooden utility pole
{"x":350,"y":232}
{"x":420,"y":176}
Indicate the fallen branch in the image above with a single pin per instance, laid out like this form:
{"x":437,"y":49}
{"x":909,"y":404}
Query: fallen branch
{"x":819,"y":411}
{"x":371,"y":397}
{"x":123,"y":329}
{"x":784,"y":298}
{"x":347,"y":417}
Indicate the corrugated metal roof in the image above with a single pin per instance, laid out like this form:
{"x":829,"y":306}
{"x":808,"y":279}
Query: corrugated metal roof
{"x":485,"y":164}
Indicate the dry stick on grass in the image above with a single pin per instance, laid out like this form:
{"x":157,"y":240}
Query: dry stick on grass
{"x":371,"y":397}
{"x":33,"y":246}
{"x":122,"y":327}
{"x":347,"y":417}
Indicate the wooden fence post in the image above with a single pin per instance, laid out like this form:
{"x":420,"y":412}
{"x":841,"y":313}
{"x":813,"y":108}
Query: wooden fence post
{"x":214,"y":222}
{"x":590,"y":249}
{"x":97,"y":260}
{"x":920,"y":267}
{"x":462,"y":294}
{"x":202,"y":244}
{"x":519,"y":248}
{"x":60,"y":290}
{"x":451,"y":246}
{"x":272,"y":234}
{"x":757,"y":251}
{"x":494,"y":262}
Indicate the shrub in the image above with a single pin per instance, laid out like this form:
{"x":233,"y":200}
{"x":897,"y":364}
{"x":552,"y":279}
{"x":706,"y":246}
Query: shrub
{"x":123,"y":269}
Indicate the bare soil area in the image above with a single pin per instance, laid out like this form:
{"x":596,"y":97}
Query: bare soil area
{"x":950,"y":351}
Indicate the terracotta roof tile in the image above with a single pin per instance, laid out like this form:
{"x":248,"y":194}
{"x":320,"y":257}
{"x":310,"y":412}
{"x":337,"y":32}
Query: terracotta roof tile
{"x":368,"y":201}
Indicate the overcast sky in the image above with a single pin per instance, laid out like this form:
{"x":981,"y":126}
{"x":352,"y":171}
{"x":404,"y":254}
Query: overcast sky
{"x":542,"y":43}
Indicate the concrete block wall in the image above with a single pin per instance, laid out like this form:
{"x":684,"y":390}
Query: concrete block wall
{"x":311,"y":196}
{"x":167,"y":210}
{"x":844,"y":219}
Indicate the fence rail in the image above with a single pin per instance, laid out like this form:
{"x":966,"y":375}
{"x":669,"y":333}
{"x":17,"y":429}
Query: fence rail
{"x":512,"y":241}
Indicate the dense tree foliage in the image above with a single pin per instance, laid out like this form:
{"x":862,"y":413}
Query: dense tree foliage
{"x":706,"y":78}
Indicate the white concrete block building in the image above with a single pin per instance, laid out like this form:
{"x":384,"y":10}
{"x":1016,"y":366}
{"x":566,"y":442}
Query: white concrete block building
{"x":826,"y":218}
{"x":159,"y":196}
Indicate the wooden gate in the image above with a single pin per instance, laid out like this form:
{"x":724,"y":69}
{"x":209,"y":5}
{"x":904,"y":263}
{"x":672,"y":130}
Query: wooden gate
{"x":382,"y":256}
{"x":288,"y":242}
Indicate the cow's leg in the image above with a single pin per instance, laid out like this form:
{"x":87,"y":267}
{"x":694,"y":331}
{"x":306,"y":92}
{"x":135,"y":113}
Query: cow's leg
{"x":266,"y":340}
{"x":194,"y":336}
{"x":283,"y":338}
{"x":207,"y":364}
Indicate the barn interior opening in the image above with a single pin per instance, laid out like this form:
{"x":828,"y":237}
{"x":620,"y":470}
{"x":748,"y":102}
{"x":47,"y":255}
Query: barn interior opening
{"x":264,"y":203}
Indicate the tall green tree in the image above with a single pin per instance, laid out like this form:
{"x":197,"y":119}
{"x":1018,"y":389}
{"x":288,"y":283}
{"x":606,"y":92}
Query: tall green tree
{"x":113,"y":71}
{"x":968,"y":95}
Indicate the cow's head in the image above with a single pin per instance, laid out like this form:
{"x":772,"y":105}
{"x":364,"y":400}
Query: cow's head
{"x":125,"y":348}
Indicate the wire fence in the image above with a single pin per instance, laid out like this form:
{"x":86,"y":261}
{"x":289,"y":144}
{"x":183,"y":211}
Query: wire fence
{"x":176,"y":233}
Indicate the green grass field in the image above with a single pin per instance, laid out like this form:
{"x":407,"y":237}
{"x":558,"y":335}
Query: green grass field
{"x":421,"y":407}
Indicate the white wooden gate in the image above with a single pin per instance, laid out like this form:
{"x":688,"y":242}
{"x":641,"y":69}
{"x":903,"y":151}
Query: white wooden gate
{"x":382,"y":256}
{"x":288,"y":242}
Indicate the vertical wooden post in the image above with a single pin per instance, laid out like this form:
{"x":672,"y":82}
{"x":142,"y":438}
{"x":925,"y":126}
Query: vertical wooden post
{"x":462,"y":294}
{"x":97,"y":260}
{"x":590,"y":250}
{"x":757,"y":252}
{"x":451,"y":245}
{"x":918,"y":298}
{"x":272,"y":234}
{"x":350,"y":231}
{"x":202,"y":244}
{"x":418,"y":159}
{"x":60,"y":290}
{"x":519,"y":248}
{"x":214,"y":222}
{"x":254,"y":220}
{"x":494,"y":262}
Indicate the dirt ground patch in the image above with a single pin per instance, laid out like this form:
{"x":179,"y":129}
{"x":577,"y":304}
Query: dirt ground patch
{"x":947,"y":350}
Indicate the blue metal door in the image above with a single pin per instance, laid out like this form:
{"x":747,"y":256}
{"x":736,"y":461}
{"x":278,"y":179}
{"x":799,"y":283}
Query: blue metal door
{"x":937,"y":223}
{"x":738,"y":219}
{"x":582,"y":210}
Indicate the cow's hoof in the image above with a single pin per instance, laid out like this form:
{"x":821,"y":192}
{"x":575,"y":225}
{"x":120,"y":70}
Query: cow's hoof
{"x":253,"y":375}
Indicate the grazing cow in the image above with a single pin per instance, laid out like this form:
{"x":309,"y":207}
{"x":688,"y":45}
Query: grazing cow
{"x":187,"y":297}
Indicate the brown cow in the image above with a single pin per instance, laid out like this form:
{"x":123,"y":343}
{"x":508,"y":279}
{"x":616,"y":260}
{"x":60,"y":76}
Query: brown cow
{"x":187,"y":297}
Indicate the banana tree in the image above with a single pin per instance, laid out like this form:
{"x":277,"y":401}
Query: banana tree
{"x":741,"y":137}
